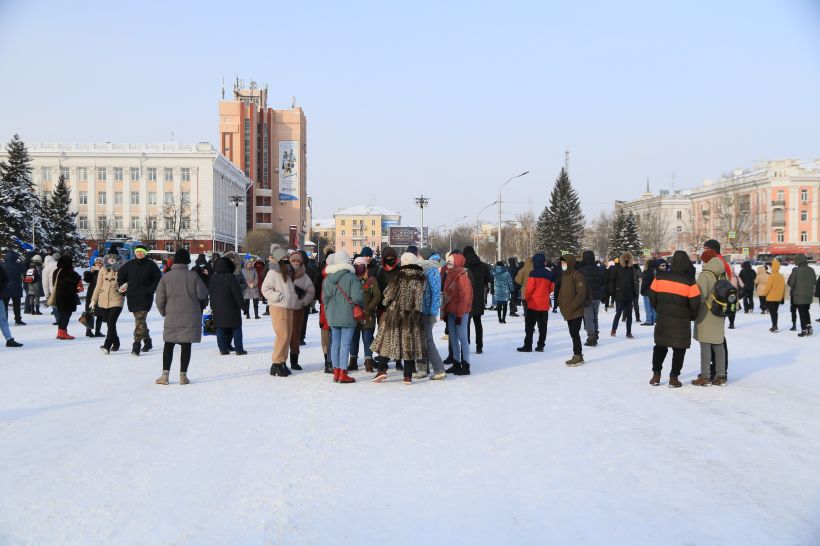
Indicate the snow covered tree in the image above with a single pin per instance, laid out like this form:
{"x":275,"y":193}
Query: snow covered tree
{"x":616,"y":239}
{"x":630,"y":238}
{"x":60,"y":224}
{"x":19,"y":204}
{"x":561,"y":224}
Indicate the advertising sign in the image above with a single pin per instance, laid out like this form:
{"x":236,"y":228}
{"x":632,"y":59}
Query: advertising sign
{"x":405,"y":236}
{"x":745,"y":251}
{"x":647,"y":252}
{"x":732,"y":235}
{"x":289,"y":170}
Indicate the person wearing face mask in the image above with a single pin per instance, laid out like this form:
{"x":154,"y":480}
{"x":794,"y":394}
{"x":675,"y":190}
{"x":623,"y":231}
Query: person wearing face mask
{"x":281,"y":295}
{"x":457,"y":301}
{"x":365,"y":330}
{"x":305,"y":292}
{"x":388,"y":270}
{"x":106,"y":299}
{"x":573,"y":298}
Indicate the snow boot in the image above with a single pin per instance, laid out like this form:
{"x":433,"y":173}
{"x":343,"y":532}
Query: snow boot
{"x":613,"y":333}
{"x":368,"y":365}
{"x":439,"y":376}
{"x":337,"y":372}
{"x":344,"y":378}
{"x":19,"y":322}
{"x":89,"y":333}
{"x":464,"y":369}
{"x":449,"y":360}
{"x":719,"y":381}
{"x":454,"y":369}
{"x":135,"y":348}
{"x":539,"y":349}
{"x":183,"y":378}
{"x":273,"y":369}
{"x":12,"y":343}
{"x":629,"y":335}
{"x":656,"y":379}
{"x":806,"y":332}
{"x":701,"y":381}
{"x":63,"y":334}
{"x":408,"y":380}
{"x":328,"y":365}
{"x":116,"y":345}
{"x":524,"y":349}
{"x":352,"y":366}
{"x":576,"y":360}
{"x":294,"y":363}
{"x":422,"y":370}
{"x":283,"y":370}
{"x":147,"y":345}
{"x":381,"y":375}
{"x":793,"y":328}
{"x":674,"y":382}
{"x":163,"y":379}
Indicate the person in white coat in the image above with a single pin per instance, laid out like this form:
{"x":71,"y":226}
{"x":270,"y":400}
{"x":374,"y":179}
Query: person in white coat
{"x":280,"y":293}
{"x":49,"y":267}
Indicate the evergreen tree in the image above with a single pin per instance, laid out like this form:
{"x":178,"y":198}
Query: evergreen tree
{"x":60,"y":224}
{"x":631,"y":238}
{"x":19,"y":204}
{"x":561,"y":224}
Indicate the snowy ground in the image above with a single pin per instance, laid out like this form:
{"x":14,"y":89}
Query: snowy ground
{"x":524,"y":451}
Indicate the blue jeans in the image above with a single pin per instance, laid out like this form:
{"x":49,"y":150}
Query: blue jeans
{"x":4,"y":323}
{"x":367,"y":339}
{"x":340,"y":344}
{"x":224,"y":336}
{"x":458,"y":336}
{"x":648,"y":310}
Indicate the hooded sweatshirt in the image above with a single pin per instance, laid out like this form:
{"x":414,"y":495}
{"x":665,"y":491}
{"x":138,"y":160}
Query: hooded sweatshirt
{"x":775,"y":288}
{"x":801,"y":281}
{"x":540,"y":284}
{"x":457,"y":297}
{"x":341,"y":279}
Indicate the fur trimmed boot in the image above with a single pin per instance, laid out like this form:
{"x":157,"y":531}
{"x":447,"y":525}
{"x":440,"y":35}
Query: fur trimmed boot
{"x":163,"y":379}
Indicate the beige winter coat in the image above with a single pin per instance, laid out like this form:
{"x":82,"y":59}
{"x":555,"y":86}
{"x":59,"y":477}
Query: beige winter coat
{"x":708,"y":326}
{"x":305,"y":284}
{"x":760,"y":280}
{"x":277,"y":291}
{"x":106,"y":294}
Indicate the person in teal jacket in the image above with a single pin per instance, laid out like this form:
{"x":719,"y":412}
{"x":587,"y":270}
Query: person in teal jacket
{"x":502,"y":288}
{"x":340,"y":292}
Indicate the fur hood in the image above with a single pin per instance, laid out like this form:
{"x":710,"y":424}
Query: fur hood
{"x":627,"y":260}
{"x":335,"y":268}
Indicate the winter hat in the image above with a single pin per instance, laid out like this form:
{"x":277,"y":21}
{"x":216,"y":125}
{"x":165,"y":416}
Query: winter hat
{"x":712,"y":244}
{"x":408,"y":258}
{"x":141,"y":247}
{"x":707,"y":255}
{"x":182,"y":256}
{"x":413,"y":249}
{"x":361,"y":260}
{"x":114,"y":250}
{"x":426,"y":253}
{"x":277,"y":252}
{"x":37,"y":258}
{"x":340,"y":257}
{"x":367,"y":252}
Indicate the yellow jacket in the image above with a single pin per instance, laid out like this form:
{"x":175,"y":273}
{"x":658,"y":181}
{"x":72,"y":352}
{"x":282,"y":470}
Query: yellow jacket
{"x":523,"y":275}
{"x":775,"y":288}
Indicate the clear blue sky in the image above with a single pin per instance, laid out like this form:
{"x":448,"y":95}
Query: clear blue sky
{"x":445,"y":98}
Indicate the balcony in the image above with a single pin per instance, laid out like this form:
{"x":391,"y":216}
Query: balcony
{"x":779,"y":203}
{"x":779,"y":223}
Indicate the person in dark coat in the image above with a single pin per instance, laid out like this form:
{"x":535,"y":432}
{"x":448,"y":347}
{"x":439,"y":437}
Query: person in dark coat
{"x":676,"y":298}
{"x":388,"y":270}
{"x":481,"y":276}
{"x":226,"y":305}
{"x":181,"y":297}
{"x":66,"y":300}
{"x":203,"y":269}
{"x":90,"y":278}
{"x":557,"y":273}
{"x":512,"y":269}
{"x":595,"y":278}
{"x":623,"y":286}
{"x":747,"y":277}
{"x":646,"y":281}
{"x":13,"y":291}
{"x":139,"y":279}
{"x":4,"y":319}
{"x":573,"y":299}
{"x":636,"y":299}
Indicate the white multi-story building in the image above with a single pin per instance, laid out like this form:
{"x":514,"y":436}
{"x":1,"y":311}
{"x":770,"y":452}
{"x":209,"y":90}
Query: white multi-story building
{"x":165,"y":195}
{"x":664,"y":220}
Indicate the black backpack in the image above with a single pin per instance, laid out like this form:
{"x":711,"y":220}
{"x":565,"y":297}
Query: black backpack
{"x":723,"y":299}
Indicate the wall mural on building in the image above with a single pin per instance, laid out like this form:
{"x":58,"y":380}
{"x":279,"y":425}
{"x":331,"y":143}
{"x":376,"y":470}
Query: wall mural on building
{"x":288,"y":170}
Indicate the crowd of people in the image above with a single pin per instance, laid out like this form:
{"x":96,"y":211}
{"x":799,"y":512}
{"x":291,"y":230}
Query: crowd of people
{"x":389,"y":307}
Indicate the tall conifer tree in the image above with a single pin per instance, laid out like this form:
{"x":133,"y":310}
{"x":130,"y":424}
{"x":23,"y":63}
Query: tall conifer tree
{"x":19,"y":205}
{"x":561,"y":224}
{"x":60,"y":224}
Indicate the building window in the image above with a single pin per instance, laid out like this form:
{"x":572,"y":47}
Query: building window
{"x":65,"y":173}
{"x":185,"y":198}
{"x":169,"y":224}
{"x":102,"y":223}
{"x":679,"y":215}
{"x":102,"y":198}
{"x":780,"y":195}
{"x":169,"y":198}
{"x":679,"y":229}
{"x":373,"y":233}
{"x":135,"y":173}
{"x":135,"y":198}
{"x":804,"y":196}
{"x":804,"y":237}
{"x":780,"y":237}
{"x":82,"y":222}
{"x":118,"y":174}
{"x":804,"y":215}
{"x":263,"y":218}
{"x":184,"y":223}
{"x":152,"y":198}
{"x":169,"y":247}
{"x":118,"y":200}
{"x":82,"y":174}
{"x":46,"y":174}
{"x":185,"y":174}
{"x":152,"y":223}
{"x":83,"y":197}
{"x":169,"y":174}
{"x":343,"y":233}
{"x":343,"y":222}
{"x":118,"y":222}
{"x":102,"y":174}
{"x":372,"y":222}
{"x":152,"y":174}
{"x":343,"y":243}
{"x":135,"y":223}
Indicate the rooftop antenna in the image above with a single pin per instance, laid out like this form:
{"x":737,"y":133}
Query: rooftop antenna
{"x":673,"y":181}
{"x":223,"y":88}
{"x":172,"y":135}
{"x":647,"y":184}
{"x":566,"y":161}
{"x":293,"y":102}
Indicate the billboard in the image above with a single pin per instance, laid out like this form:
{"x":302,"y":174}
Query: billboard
{"x":289,"y":170}
{"x":406,"y":236}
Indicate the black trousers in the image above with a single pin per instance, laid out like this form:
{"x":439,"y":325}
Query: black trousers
{"x":762,"y":303}
{"x":479,"y":332}
{"x":501,"y":309}
{"x":659,"y":355}
{"x":247,"y":307}
{"x":636,"y":305}
{"x":16,"y":305}
{"x":514,"y":303}
{"x":793,"y":311}
{"x":305,"y":317}
{"x":805,"y":316}
{"x":63,"y":318}
{"x":531,"y":318}
{"x":748,"y":301}
{"x":110,"y":315}
{"x":771,"y":307}
{"x":574,"y":332}
{"x":168,"y":356}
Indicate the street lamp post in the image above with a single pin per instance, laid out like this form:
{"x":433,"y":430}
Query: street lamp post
{"x":422,"y":202}
{"x":236,"y":199}
{"x":499,"y":209}
{"x":450,"y":230}
{"x":477,"y":227}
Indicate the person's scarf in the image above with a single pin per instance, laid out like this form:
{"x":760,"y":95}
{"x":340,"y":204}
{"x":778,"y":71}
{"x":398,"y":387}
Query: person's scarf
{"x":297,"y":271}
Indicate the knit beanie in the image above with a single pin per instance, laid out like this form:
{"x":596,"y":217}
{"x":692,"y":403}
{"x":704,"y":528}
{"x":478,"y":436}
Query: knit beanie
{"x":413,"y":249}
{"x":367,"y":252}
{"x":277,"y":252}
{"x":182,"y":256}
{"x":408,"y":258}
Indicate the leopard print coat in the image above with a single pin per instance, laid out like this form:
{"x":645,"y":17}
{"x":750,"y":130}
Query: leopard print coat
{"x":401,"y":328}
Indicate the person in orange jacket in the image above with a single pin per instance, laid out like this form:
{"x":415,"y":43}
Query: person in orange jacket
{"x":457,"y":301}
{"x":540,"y":284}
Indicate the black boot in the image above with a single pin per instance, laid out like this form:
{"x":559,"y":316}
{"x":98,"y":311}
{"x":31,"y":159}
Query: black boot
{"x":147,"y":345}
{"x":135,"y":348}
{"x":464,"y":369}
{"x":328,"y":365}
{"x":283,"y":370}
{"x":454,"y":369}
{"x":115,"y":346}
{"x":274,"y":370}
{"x":294,"y":363}
{"x":352,"y":365}
{"x":89,"y":333}
{"x":12,"y":343}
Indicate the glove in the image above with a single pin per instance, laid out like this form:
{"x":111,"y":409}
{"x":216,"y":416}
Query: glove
{"x":91,"y":307}
{"x":458,"y":321}
{"x":300,"y":292}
